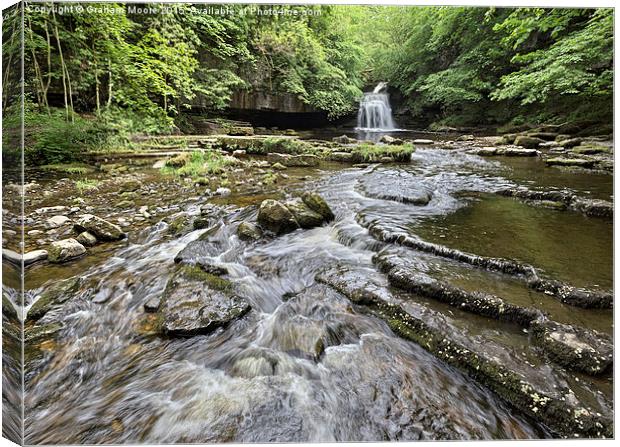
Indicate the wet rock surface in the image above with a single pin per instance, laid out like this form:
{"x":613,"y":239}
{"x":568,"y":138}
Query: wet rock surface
{"x":100,"y":228}
{"x":573,"y":347}
{"x":195,"y":302}
{"x":65,"y":250}
{"x":589,"y":207}
{"x":560,"y":411}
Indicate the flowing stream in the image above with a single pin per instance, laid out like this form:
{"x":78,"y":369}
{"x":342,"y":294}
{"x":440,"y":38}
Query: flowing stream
{"x":260,"y":379}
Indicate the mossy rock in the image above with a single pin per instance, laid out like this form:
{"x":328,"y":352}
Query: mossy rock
{"x":178,"y":224}
{"x":318,"y":204}
{"x":570,"y":162}
{"x":195,"y":302}
{"x":55,"y":295}
{"x":248,"y":231}
{"x":591,"y":150}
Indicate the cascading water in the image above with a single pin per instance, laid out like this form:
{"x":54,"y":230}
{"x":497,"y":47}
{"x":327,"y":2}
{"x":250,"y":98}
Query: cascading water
{"x":375,"y":113}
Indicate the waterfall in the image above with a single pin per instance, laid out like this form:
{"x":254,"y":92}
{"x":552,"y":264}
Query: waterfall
{"x":375,"y":113}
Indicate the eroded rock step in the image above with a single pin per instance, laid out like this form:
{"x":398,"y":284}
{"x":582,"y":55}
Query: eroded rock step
{"x":576,"y":348}
{"x":562,"y":200}
{"x":544,"y":397}
{"x":566,"y":293}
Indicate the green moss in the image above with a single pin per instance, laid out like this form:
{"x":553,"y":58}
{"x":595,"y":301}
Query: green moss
{"x":86,"y":184}
{"x":198,"y":164}
{"x":176,"y":225}
{"x":69,"y":168}
{"x":213,"y":281}
{"x":368,"y":152}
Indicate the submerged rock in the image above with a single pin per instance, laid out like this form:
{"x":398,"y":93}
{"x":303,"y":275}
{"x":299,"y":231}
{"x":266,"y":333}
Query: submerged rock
{"x":65,"y":250}
{"x":402,"y":277}
{"x":100,"y":228}
{"x":55,"y":295}
{"x":562,"y":200}
{"x":574,"y":347}
{"x":275,"y":217}
{"x":197,"y":250}
{"x":195,"y":302}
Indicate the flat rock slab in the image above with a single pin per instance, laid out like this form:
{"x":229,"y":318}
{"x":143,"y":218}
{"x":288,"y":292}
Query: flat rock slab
{"x":196,"y":303}
{"x":575,"y":348}
{"x":523,"y":386}
{"x":397,"y":188}
{"x":570,"y":162}
{"x":28,"y":258}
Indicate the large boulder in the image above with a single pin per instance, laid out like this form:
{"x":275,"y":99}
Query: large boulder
{"x":316,"y":203}
{"x":195,"y":302}
{"x":305,"y":217}
{"x":528,"y":142}
{"x":570,"y":162}
{"x":275,"y":217}
{"x":65,"y":250}
{"x":100,"y":228}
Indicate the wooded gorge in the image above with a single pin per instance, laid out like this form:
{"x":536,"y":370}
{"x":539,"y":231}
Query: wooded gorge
{"x":112,"y":73}
{"x":254,"y":223}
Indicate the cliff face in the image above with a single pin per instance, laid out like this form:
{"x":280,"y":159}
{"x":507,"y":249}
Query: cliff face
{"x":256,"y":100}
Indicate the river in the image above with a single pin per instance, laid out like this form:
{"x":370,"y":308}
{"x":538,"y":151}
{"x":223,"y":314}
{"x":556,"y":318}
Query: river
{"x":106,"y":379}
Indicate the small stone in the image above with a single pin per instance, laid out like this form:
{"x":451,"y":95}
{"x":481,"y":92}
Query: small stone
{"x":422,"y":141}
{"x":65,"y":250}
{"x":387,"y":139}
{"x":222,"y":191}
{"x":152,"y":305}
{"x":57,"y":221}
{"x":248,"y":231}
{"x":87,"y":239}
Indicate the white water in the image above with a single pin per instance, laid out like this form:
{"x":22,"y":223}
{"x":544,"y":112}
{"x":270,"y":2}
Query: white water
{"x":375,"y":113}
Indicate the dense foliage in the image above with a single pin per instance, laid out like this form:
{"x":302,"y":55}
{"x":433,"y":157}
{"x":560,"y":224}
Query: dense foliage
{"x":484,"y":65}
{"x":112,"y":72}
{"x":159,"y":63}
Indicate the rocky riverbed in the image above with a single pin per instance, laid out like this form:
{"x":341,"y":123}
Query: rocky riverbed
{"x":426,"y":287}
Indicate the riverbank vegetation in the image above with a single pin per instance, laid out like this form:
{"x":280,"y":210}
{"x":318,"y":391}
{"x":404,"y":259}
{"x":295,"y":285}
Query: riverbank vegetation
{"x":96,"y":78}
